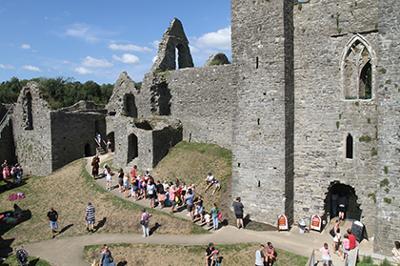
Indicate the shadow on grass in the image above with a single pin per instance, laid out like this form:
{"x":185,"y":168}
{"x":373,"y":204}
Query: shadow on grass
{"x":100,"y":224}
{"x":65,"y":228}
{"x":154,"y":228}
{"x":8,"y":220}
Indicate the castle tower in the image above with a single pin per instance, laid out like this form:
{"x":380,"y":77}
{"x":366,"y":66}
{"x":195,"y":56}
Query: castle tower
{"x":262,"y":46}
{"x":388,"y":94}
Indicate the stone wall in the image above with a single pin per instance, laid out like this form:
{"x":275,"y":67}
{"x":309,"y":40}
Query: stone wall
{"x":323,"y":117}
{"x":388,"y":95}
{"x":33,"y":142}
{"x":7,"y":147}
{"x":203,"y":99}
{"x":263,"y":136}
{"x":71,"y":132}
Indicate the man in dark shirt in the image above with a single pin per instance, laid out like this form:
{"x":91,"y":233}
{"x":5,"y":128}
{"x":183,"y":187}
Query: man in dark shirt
{"x":53,"y":217}
{"x":238,"y":210}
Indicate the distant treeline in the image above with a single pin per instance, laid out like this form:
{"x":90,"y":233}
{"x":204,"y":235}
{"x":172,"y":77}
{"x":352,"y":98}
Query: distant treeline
{"x":59,"y":92}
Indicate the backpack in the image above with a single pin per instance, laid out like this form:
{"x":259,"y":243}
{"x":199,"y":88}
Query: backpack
{"x":219,"y":216}
{"x":22,"y":255}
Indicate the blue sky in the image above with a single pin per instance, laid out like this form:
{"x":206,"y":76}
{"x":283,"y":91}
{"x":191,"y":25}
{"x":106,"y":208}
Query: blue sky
{"x":96,"y":40}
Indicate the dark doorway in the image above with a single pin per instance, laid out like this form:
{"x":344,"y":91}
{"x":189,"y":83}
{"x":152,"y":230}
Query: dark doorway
{"x":132,"y":147}
{"x":340,"y":193}
{"x":88,"y":150}
{"x":111,"y":138}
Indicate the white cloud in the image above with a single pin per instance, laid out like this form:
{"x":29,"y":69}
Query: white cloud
{"x":128,"y":47}
{"x":82,"y":71}
{"x":31,"y":68}
{"x":5,"y":66}
{"x":154,"y":59}
{"x":127,"y":58}
{"x":155,"y":44}
{"x":81,"y":31}
{"x":96,"y":63}
{"x":25,"y":46}
{"x":220,"y":39}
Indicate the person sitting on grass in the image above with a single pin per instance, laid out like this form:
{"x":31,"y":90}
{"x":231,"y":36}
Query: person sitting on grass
{"x":212,"y":181}
{"x":270,"y":254}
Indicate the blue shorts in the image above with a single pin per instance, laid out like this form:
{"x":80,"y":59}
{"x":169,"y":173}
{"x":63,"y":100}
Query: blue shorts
{"x":53,"y":225}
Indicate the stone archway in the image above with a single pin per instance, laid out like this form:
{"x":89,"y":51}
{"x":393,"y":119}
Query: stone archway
{"x":133,"y":150}
{"x":342,"y":193}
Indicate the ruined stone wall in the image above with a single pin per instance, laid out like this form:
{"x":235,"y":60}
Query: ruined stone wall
{"x":7,"y":148}
{"x":163,"y":140}
{"x":71,"y":132}
{"x":262,"y":48}
{"x":203,"y":99}
{"x":323,"y":117}
{"x":33,"y":144}
{"x":388,"y":95}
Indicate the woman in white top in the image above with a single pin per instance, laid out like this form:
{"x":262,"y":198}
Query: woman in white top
{"x":108,"y":174}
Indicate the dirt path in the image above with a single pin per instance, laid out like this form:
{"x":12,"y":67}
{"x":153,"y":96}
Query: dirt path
{"x":69,"y":251}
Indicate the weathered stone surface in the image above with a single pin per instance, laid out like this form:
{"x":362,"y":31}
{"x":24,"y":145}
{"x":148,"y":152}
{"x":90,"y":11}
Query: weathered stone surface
{"x":173,"y":42}
{"x":7,"y":147}
{"x":217,"y":59}
{"x":307,"y":83}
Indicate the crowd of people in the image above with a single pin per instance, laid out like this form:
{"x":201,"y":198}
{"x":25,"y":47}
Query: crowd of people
{"x":12,"y":174}
{"x":163,"y":194}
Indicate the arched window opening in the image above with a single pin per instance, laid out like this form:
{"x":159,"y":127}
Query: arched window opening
{"x":365,"y":89}
{"x":130,"y":108}
{"x":27,"y":110}
{"x":357,"y":71}
{"x":349,"y":147}
{"x":133,"y":150}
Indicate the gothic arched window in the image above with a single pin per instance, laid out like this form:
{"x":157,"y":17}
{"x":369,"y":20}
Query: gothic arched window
{"x":27,"y":110}
{"x":357,"y":70}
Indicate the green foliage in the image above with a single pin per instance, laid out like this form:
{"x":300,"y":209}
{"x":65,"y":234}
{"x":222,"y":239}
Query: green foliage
{"x":388,"y":201}
{"x":59,"y":92}
{"x":384,"y":183}
{"x":386,"y":170}
{"x":12,"y":260}
{"x":365,"y":138}
{"x":374,"y":152}
{"x":372,"y":196}
{"x":385,"y":262}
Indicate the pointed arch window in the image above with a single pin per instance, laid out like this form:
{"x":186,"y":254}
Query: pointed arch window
{"x":27,"y":110}
{"x":357,"y":70}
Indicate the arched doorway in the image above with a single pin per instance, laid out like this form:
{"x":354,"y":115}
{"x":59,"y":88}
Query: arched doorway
{"x":111,"y":138}
{"x":339,"y":193}
{"x":88,"y":150}
{"x":133,"y":151}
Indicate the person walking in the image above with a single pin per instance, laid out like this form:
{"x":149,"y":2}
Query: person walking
{"x":326,"y":255}
{"x":189,"y":200}
{"x":108,"y":173}
{"x":144,"y":222}
{"x":52,"y":215}
{"x":95,"y":166}
{"x":238,"y":210}
{"x":214,"y":215}
{"x":90,"y":217}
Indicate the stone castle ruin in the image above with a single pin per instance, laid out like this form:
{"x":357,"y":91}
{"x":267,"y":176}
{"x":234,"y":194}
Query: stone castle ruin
{"x":310,"y":107}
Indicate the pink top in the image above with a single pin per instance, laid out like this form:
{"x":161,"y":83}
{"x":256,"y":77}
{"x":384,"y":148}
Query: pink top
{"x":325,"y":253}
{"x":346,"y":243}
{"x":172,"y":194}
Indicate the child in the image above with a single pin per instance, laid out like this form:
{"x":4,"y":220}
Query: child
{"x":326,"y":255}
{"x":336,"y":241}
{"x":346,"y":246}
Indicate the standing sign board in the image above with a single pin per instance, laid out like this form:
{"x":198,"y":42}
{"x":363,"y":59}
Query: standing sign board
{"x":283,"y":224}
{"x":357,"y":229}
{"x":316,"y":223}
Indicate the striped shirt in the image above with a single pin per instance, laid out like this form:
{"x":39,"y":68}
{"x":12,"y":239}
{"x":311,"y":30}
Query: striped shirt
{"x":90,"y":211}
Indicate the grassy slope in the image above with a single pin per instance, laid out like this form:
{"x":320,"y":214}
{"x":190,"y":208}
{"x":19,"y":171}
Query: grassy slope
{"x":146,"y":254}
{"x":191,"y":162}
{"x":68,"y":190}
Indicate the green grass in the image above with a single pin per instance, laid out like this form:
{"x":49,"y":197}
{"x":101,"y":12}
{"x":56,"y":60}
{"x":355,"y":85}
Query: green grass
{"x":12,"y":261}
{"x":233,"y":254}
